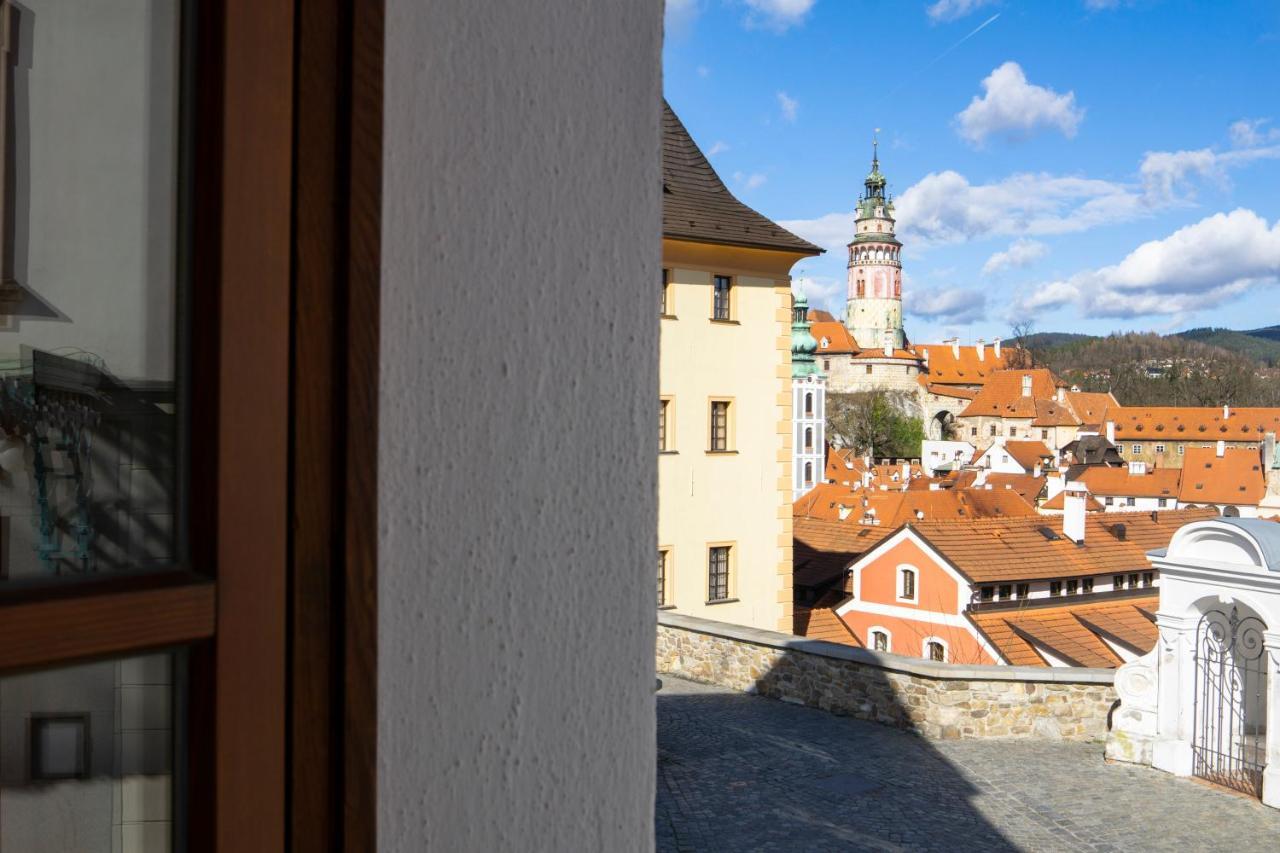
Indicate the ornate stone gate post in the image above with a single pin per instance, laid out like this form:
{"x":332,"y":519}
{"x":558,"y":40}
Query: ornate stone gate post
{"x":1175,"y":675}
{"x":1271,"y":774}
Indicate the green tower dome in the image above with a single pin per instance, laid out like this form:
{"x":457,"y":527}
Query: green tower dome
{"x":803,"y":345}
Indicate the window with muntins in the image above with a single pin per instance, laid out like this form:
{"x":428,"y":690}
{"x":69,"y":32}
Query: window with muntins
{"x":666,"y":283}
{"x":880,"y":641}
{"x":719,"y":425}
{"x":1006,"y":592}
{"x":1055,"y":587}
{"x":908,"y":584}
{"x":1024,"y":590}
{"x":662,"y":424}
{"x":718,"y":573}
{"x":937,"y":651}
{"x":720,"y":308}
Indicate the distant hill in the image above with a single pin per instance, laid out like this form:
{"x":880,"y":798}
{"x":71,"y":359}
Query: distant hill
{"x":1260,"y":345}
{"x":1052,"y":340}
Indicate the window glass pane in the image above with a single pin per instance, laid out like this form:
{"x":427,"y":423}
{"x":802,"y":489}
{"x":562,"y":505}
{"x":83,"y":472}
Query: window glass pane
{"x":89,"y":342}
{"x":86,"y":757}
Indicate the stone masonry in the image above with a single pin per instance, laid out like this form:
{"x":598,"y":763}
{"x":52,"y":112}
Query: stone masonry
{"x":937,"y":700}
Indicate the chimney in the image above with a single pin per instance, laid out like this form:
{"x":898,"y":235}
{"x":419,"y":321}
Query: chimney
{"x":1222,"y":449}
{"x":1226,"y":412}
{"x":926,"y":358}
{"x":844,"y":512}
{"x":996,"y":344}
{"x":982,"y":350}
{"x":1074,"y":499}
{"x":1026,"y":385}
{"x":1111,"y":431}
{"x":906,"y":471}
{"x":1269,"y":451}
{"x":1062,"y":394}
{"x":955,"y":347}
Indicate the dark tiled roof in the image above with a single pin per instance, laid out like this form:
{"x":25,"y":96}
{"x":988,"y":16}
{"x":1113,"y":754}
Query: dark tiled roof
{"x":697,"y":206}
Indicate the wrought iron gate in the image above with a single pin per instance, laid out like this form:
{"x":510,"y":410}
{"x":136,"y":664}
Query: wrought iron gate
{"x":1229,"y":746}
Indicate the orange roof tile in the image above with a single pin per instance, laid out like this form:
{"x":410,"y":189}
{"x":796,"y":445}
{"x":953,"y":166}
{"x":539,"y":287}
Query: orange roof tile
{"x":823,"y":549}
{"x":824,"y":501}
{"x":1235,"y":477}
{"x":1091,"y":406}
{"x":1111,"y":481}
{"x":817,"y":315}
{"x":1026,"y":486}
{"x":1052,"y":413}
{"x":991,"y":549}
{"x":844,"y":466}
{"x":878,"y":352}
{"x":1029,"y":453}
{"x":1002,"y":395}
{"x":941,"y":390}
{"x":1181,"y":423}
{"x":1076,"y":632}
{"x":945,"y":368}
{"x":822,"y":623}
{"x":837,"y":338}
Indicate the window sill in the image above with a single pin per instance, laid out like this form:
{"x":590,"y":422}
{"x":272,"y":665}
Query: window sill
{"x":668,"y":452}
{"x":722,"y":453}
{"x":721,"y":601}
{"x":724,"y":322}
{"x":666,"y":607}
{"x":667,"y":317}
{"x":908,"y":601}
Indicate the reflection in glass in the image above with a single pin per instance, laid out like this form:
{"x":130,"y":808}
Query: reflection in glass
{"x":88,"y":287}
{"x":86,"y":757}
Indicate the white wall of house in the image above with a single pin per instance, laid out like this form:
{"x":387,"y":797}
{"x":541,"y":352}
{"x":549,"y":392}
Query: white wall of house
{"x":944,"y":454}
{"x":521,"y":204}
{"x":998,"y":460}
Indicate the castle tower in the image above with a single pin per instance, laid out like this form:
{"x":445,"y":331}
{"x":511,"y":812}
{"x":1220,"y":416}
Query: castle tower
{"x":873,"y":313}
{"x":808,"y":404}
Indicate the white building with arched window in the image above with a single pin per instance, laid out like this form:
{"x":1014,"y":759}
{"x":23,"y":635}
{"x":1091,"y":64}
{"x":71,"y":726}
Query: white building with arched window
{"x":808,"y":404}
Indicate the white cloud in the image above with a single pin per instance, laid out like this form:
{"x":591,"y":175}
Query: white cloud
{"x":1014,"y":108}
{"x":946,"y":304}
{"x":943,"y":207}
{"x":717,"y":147}
{"x":1021,"y":253}
{"x":1166,"y":175}
{"x":950,"y":10}
{"x":822,"y":292}
{"x":1250,"y":132}
{"x":704,"y":71}
{"x":749,"y":181}
{"x":1200,"y":266}
{"x":789,"y":106}
{"x":776,"y":15}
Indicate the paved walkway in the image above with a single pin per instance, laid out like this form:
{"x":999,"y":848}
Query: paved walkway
{"x":739,"y":772}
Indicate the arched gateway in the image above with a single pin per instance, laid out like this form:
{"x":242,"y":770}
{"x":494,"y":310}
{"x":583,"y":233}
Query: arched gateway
{"x":1206,"y":700}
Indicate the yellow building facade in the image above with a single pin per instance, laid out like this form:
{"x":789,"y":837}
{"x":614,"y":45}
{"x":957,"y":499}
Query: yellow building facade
{"x":724,"y":460}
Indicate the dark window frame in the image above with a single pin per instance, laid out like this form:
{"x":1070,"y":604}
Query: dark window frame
{"x":719,"y":566}
{"x":722,"y":297}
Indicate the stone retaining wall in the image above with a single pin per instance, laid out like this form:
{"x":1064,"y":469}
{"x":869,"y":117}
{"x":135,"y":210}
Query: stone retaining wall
{"x":936,"y":700}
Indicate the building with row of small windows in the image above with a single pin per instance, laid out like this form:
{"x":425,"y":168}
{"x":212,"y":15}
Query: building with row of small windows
{"x":729,"y":445}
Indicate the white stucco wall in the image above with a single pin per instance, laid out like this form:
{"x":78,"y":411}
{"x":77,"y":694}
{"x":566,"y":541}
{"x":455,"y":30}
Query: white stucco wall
{"x":517,"y":479}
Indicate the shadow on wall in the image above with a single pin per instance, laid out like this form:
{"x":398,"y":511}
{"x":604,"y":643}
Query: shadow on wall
{"x":738,"y":772}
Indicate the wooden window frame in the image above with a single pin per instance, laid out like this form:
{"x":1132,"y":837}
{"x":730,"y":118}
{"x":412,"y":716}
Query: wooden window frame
{"x":277,"y":607}
{"x":729,"y":433}
{"x":731,"y":555}
{"x":717,"y":302}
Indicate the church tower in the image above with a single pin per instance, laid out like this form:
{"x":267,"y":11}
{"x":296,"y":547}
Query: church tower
{"x":874,"y":311}
{"x":808,"y":404}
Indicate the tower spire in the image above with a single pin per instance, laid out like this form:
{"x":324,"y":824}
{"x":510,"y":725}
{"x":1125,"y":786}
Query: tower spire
{"x":875,"y":150}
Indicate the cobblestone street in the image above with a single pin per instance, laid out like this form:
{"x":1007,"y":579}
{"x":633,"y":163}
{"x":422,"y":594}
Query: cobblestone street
{"x":738,"y":772}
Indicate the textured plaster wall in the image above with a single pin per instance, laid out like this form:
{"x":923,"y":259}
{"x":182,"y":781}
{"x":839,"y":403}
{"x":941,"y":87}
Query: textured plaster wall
{"x":517,"y":480}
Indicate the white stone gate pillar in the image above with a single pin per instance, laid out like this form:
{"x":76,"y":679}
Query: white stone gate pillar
{"x":1271,"y":773}
{"x":1175,"y":718}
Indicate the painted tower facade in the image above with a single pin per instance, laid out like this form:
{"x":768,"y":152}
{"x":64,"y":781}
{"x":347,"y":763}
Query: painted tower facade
{"x":874,"y":311}
{"x":808,"y":404}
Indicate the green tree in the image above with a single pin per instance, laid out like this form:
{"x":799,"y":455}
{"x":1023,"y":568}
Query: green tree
{"x":876,"y":422}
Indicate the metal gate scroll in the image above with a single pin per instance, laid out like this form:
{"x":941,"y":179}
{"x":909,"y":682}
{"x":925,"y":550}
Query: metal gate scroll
{"x":1229,"y":747}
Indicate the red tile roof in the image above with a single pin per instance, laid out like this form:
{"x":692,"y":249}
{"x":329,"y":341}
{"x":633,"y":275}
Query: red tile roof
{"x":823,"y":549}
{"x":1002,"y":395}
{"x":1029,"y":453}
{"x":1135,"y":423}
{"x":1118,"y":482}
{"x":946,"y":369}
{"x":839,"y":341}
{"x":1026,"y":486}
{"x":993,"y":549}
{"x":1077,"y":633}
{"x":1059,"y":502}
{"x":1236,"y":477}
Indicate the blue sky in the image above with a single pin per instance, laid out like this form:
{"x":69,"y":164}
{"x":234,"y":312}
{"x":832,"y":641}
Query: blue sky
{"x":1090,"y":165}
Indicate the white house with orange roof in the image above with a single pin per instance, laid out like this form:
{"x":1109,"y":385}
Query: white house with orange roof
{"x":1162,"y":435}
